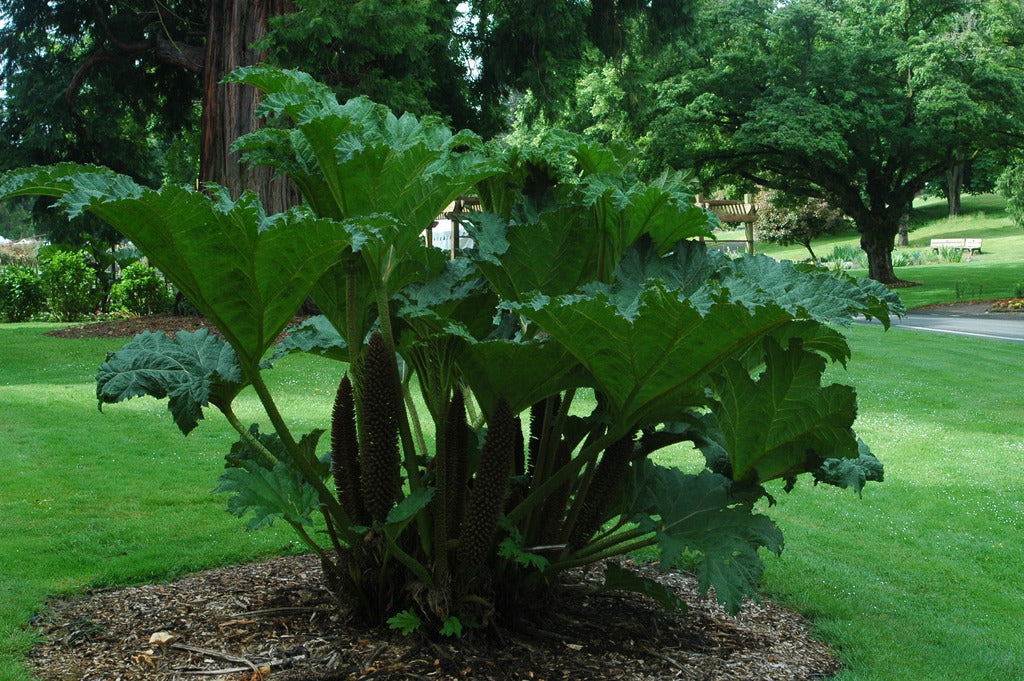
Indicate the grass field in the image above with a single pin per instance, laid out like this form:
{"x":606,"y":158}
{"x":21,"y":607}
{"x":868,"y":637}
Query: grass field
{"x":919,"y":579}
{"x":99,"y":499}
{"x":995,"y":273}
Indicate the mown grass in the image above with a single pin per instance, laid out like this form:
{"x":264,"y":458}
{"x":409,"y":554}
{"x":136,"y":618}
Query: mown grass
{"x":996,"y":272}
{"x":97,"y":499}
{"x":919,"y":579}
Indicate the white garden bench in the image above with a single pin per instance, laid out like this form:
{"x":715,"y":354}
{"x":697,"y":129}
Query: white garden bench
{"x":969,"y":245}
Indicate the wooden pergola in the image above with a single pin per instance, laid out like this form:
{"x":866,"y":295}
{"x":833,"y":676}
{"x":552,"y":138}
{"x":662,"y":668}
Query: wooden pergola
{"x":463,"y":204}
{"x":730,"y":212}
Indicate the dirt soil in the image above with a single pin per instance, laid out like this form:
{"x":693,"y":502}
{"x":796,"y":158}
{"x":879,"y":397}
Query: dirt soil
{"x":273,"y":620}
{"x":127,"y":328}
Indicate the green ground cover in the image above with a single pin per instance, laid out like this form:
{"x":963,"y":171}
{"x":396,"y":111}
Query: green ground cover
{"x":917,"y":580}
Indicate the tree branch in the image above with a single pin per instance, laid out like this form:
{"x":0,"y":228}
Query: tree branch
{"x":165,"y":51}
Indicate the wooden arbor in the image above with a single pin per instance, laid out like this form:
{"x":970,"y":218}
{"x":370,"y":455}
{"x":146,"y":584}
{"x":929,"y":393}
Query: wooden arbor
{"x":744,"y":211}
{"x":451,"y":213}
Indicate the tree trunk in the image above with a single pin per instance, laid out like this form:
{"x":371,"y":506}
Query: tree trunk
{"x":229,"y":111}
{"x":877,"y":236}
{"x":807,"y":245}
{"x":904,"y":230}
{"x":954,"y":185}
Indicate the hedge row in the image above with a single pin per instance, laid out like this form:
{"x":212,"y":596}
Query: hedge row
{"x":66,"y":287}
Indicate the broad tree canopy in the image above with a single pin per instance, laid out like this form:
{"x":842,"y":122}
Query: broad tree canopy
{"x":860,"y":102}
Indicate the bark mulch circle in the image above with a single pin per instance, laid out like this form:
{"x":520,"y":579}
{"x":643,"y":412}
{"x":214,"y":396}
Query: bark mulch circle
{"x":272,"y":620}
{"x":126,"y":328}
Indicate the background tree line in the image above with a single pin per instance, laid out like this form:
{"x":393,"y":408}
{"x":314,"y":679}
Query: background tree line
{"x":861,"y":103}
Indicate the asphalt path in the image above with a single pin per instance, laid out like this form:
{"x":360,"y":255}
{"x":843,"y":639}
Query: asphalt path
{"x":986,"y":325}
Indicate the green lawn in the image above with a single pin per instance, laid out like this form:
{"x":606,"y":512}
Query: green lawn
{"x":919,"y":579}
{"x":97,"y":499}
{"x":995,"y":273}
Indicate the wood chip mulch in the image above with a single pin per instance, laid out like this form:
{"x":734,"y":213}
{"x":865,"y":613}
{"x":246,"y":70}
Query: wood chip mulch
{"x":127,"y":328}
{"x":272,"y":620}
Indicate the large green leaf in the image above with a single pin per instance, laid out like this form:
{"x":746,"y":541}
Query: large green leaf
{"x":370,"y":161}
{"x":192,"y":370}
{"x":823,"y":296}
{"x":686,"y":269}
{"x":521,"y":372}
{"x":458,"y":301}
{"x":851,"y":472}
{"x":783,"y":422}
{"x":245,"y":271}
{"x":359,"y":159}
{"x":650,"y":361}
{"x":316,"y":336}
{"x":618,"y":578}
{"x":663,"y":210}
{"x":554,"y":254}
{"x":268,"y":494}
{"x":706,"y":517}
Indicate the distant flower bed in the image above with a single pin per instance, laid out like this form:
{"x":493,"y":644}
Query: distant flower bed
{"x":1009,"y":305}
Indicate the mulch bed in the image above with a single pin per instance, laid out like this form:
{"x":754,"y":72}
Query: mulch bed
{"x":272,"y":620}
{"x":127,"y":328}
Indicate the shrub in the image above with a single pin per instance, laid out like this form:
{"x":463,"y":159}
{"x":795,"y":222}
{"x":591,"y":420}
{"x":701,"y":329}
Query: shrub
{"x":71,"y":286}
{"x":798,"y":222}
{"x":141,"y":290}
{"x":586,"y":330}
{"x":843,"y":254}
{"x":21,"y":293}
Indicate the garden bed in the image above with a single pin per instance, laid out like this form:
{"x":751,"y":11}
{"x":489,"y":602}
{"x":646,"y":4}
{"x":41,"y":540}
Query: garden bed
{"x":273,"y":620}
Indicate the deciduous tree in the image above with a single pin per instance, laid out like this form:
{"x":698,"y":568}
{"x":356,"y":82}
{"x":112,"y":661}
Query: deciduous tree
{"x":860,"y":102}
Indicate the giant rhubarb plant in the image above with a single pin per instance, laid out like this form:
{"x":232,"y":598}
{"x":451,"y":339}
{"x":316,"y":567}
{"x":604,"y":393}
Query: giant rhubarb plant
{"x":587,"y":329}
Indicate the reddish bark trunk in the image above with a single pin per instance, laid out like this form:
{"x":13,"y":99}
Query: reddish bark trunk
{"x":229,"y":111}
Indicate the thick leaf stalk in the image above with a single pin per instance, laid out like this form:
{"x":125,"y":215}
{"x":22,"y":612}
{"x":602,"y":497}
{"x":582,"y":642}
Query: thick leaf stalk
{"x":456,"y":440}
{"x":345,"y":453}
{"x":605,"y":485}
{"x":541,"y":415}
{"x":379,"y":466}
{"x":553,"y":511}
{"x":487,"y":499}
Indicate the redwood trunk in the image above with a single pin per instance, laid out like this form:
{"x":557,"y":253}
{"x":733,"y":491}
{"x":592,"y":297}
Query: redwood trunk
{"x":229,"y":110}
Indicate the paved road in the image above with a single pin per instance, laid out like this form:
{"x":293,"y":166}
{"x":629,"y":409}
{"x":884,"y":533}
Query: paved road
{"x":1009,"y":328}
